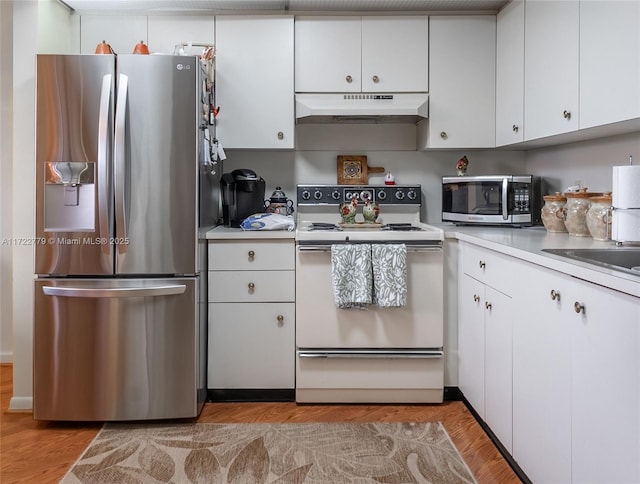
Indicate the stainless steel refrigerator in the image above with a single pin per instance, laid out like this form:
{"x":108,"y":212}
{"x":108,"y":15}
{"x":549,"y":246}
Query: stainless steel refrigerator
{"x":122,"y":196}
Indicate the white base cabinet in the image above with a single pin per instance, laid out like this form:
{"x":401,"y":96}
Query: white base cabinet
{"x":576,"y":380}
{"x":484,"y":338}
{"x":251,"y":314}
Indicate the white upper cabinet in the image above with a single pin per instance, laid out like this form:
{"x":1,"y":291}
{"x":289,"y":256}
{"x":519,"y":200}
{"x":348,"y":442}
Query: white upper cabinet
{"x":462,"y":82}
{"x":510,"y":74}
{"x":551,"y":67}
{"x":395,"y":54}
{"x":609,"y":62}
{"x":166,"y":32}
{"x":362,"y":54}
{"x":121,"y":32}
{"x":327,"y":54}
{"x":254,"y":82}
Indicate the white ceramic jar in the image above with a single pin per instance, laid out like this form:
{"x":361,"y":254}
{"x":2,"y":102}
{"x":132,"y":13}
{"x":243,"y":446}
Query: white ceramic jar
{"x":599,"y":217}
{"x":575,"y":212}
{"x":553,"y":213}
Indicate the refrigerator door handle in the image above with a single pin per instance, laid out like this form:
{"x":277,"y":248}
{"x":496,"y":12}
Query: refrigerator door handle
{"x":120,"y":292}
{"x":119,"y":161}
{"x":103,"y":143}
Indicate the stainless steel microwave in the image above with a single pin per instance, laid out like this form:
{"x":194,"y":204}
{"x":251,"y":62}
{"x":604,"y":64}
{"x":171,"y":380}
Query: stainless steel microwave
{"x":492,"y":200}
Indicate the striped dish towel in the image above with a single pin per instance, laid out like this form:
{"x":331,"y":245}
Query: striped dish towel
{"x":389,"y":263}
{"x":351,"y":275}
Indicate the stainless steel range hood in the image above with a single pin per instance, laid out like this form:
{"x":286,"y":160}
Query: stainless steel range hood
{"x":362,"y":108}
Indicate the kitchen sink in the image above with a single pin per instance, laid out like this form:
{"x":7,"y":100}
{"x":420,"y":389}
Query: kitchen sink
{"x":625,"y":259}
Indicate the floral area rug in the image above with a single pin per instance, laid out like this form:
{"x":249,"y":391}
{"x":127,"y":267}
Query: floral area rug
{"x":271,"y":453}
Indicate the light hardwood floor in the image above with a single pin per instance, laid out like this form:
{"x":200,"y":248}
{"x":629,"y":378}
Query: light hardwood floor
{"x":42,"y":452}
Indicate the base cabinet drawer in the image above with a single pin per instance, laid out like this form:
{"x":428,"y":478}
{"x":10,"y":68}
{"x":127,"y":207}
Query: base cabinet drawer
{"x":251,"y":345}
{"x":252,"y":286}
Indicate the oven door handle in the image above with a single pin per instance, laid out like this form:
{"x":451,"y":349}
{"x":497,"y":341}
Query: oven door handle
{"x":410,"y":248}
{"x":371,"y":354}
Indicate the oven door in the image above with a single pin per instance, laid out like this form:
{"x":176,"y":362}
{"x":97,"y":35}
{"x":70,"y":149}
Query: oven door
{"x":319,"y":324}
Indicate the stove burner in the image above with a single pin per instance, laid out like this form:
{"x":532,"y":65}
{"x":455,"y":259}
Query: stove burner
{"x":323,"y":226}
{"x":402,"y":227}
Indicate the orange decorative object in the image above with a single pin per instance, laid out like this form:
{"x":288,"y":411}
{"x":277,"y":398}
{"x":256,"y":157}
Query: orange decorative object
{"x":141,"y":48}
{"x":104,"y":48}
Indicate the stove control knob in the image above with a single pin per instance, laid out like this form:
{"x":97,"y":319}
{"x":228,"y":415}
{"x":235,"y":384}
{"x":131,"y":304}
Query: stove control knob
{"x":317,"y":195}
{"x":365,"y":195}
{"x":306,"y":195}
{"x":400,"y":195}
{"x":351,"y":195}
{"x":382,"y":195}
{"x":411,"y":195}
{"x":335,"y":195}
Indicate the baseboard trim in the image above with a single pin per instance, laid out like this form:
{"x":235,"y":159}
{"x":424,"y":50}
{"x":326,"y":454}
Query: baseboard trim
{"x":251,"y":395}
{"x":452,"y":394}
{"x":20,"y":404}
{"x":505,"y":453}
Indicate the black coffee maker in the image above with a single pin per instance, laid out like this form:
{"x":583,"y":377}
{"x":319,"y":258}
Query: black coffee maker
{"x":242,"y":195}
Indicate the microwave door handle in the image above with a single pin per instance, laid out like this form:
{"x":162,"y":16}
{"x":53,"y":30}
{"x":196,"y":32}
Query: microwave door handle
{"x":505,"y":211}
{"x":119,"y":158}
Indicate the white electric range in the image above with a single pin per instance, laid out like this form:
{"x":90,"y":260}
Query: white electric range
{"x":375,"y":355}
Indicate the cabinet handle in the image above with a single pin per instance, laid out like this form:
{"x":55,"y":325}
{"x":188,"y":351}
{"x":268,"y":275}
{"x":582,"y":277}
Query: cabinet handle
{"x":481,"y":264}
{"x":375,"y":79}
{"x":476,"y":298}
{"x":515,"y":128}
{"x":251,"y":286}
{"x":566,"y":114}
{"x":555,"y":295}
{"x":251,"y":254}
{"x":280,"y":135}
{"x":280,"y":319}
{"x":349,"y":79}
{"x":443,"y":134}
{"x":487,"y":305}
{"x":579,"y":308}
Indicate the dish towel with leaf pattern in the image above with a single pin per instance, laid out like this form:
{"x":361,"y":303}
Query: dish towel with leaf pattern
{"x":352,"y":275}
{"x":389,"y":275}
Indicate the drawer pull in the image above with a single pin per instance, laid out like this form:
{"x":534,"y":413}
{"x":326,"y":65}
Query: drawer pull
{"x":578,"y":308}
{"x":555,"y":295}
{"x":476,"y":298}
{"x":251,"y":286}
{"x":481,"y":264}
{"x":251,"y":254}
{"x":487,"y":305}
{"x":280,"y":319}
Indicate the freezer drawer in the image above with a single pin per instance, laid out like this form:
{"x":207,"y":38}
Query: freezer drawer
{"x":117,"y":349}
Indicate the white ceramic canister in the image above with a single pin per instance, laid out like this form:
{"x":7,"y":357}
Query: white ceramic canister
{"x":575,"y":212}
{"x":599,"y":217}
{"x":553,"y":213}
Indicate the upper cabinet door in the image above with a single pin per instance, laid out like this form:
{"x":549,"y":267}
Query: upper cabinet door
{"x":462,"y":82}
{"x":327,"y":54}
{"x":254,"y":81}
{"x":121,"y":32}
{"x":510,"y":74}
{"x":166,"y":32}
{"x":609,"y":62}
{"x":395,"y":54}
{"x":551,"y":67}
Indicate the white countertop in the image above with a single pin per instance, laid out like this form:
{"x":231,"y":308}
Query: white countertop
{"x":527,"y":244}
{"x":228,"y":233}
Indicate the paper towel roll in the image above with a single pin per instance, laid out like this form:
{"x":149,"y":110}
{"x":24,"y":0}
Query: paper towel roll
{"x":626,"y":186}
{"x":625,"y":226}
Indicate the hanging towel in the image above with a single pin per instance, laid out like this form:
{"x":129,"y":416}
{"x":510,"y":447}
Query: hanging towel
{"x":351,"y":275}
{"x":389,"y":275}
